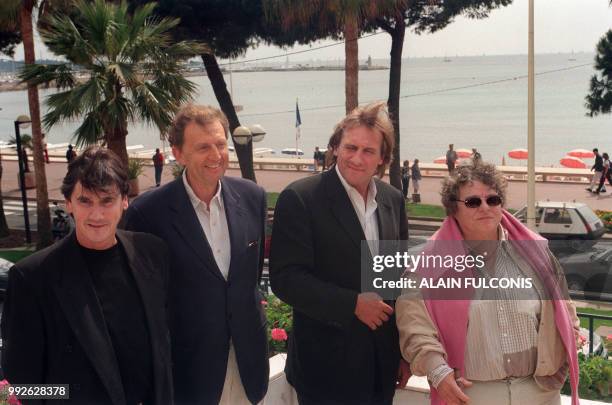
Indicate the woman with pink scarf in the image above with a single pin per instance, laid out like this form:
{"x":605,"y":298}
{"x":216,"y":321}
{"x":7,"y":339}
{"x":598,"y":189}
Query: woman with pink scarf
{"x":490,"y":346}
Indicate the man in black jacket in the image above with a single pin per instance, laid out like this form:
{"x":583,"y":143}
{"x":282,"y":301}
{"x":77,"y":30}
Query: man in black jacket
{"x":597,"y":168}
{"x":344,"y":348}
{"x":215,"y":229}
{"x":89,"y":311}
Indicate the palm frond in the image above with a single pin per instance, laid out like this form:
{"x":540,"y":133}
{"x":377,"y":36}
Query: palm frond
{"x":43,"y":74}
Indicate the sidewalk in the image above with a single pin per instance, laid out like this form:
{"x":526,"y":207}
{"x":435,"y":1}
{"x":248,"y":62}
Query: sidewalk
{"x":276,"y":181}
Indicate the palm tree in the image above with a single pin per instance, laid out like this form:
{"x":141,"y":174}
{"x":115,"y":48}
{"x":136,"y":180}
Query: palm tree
{"x":133,"y":71}
{"x":17,"y":15}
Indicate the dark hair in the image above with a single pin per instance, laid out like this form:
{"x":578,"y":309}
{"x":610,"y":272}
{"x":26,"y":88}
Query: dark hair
{"x":595,"y":150}
{"x":605,"y":156}
{"x":98,"y":169}
{"x":373,"y":116}
{"x":200,"y":114}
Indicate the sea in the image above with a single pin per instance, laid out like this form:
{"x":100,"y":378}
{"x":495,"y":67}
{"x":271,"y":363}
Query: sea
{"x":473,"y":102}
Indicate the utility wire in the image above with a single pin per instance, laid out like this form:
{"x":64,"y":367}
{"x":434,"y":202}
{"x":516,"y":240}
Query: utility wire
{"x":426,"y":93}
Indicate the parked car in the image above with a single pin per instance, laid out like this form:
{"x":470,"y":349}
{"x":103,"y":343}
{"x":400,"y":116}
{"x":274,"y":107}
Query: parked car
{"x":5,"y":265}
{"x":564,"y":220}
{"x":591,"y":270}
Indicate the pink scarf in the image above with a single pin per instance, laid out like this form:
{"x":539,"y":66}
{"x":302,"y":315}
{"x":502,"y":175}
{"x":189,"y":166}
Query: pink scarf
{"x":451,"y":316}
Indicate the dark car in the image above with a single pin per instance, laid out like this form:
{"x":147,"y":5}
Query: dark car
{"x":590,"y":270}
{"x":3,"y":280}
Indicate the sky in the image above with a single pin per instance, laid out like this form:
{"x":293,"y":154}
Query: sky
{"x":560,"y":26}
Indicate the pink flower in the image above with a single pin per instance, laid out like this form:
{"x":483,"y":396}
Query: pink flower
{"x":3,"y":383}
{"x":279,"y":334}
{"x":264,"y":302}
{"x":13,"y":400}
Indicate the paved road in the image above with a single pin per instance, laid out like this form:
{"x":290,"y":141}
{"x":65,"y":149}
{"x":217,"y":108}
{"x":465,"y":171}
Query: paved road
{"x":276,"y":181}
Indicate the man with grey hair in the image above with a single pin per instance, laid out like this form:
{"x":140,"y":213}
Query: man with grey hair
{"x":215,"y":228}
{"x":344,"y":345}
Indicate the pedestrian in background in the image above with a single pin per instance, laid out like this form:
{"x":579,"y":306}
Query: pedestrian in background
{"x":597,"y":170}
{"x":605,"y":174}
{"x":416,"y":176}
{"x":451,"y":159}
{"x":158,"y":164}
{"x":405,"y":178}
{"x":70,"y":154}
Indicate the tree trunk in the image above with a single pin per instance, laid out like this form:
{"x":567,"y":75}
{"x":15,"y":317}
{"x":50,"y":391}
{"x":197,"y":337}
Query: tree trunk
{"x":4,"y":229}
{"x":244,"y":152}
{"x":351,"y":64}
{"x":42,"y":198}
{"x":395,"y":81}
{"x":116,"y":140}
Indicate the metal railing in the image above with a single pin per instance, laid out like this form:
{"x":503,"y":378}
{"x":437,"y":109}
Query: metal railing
{"x":591,"y":318}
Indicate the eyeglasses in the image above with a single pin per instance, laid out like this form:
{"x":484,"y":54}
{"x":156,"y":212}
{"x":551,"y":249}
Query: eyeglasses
{"x":475,"y":202}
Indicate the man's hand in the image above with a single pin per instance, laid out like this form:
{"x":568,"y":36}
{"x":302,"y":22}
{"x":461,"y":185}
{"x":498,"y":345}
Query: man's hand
{"x":403,"y":374}
{"x":372,"y":310}
{"x":450,"y":391}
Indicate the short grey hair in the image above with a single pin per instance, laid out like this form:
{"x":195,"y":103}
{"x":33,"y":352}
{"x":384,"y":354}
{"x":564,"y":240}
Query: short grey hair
{"x":467,"y":173}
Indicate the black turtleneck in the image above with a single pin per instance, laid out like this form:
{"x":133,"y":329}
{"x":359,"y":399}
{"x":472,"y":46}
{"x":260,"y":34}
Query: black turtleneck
{"x":125,"y":320}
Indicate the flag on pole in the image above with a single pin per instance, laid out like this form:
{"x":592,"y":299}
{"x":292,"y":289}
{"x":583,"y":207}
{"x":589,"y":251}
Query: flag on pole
{"x":298,"y":119}
{"x":298,"y":122}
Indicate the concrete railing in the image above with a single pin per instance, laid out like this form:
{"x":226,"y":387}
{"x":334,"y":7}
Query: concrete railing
{"x":416,"y":392}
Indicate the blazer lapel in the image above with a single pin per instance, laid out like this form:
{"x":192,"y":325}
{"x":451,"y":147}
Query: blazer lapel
{"x":187,"y":225}
{"x":237,"y":224}
{"x":75,"y":292}
{"x":152,"y":296}
{"x":342,"y":207}
{"x":386,"y":223}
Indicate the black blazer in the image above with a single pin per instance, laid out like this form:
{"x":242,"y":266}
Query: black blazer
{"x":205,"y":311}
{"x":53,"y":330}
{"x":315,"y":268}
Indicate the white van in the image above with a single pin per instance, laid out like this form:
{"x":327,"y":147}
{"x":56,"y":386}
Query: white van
{"x":564,"y":220}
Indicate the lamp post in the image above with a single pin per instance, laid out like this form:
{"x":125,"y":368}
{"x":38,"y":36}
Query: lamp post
{"x":243,"y":135}
{"x":23,"y":121}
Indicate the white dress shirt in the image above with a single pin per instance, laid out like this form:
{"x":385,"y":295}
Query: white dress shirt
{"x":214,"y":223}
{"x":365,"y":210}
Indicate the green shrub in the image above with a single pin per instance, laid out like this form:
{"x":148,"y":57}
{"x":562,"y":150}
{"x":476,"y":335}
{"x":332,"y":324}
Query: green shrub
{"x":595,"y":378}
{"x":135,"y":168}
{"x":606,"y":218}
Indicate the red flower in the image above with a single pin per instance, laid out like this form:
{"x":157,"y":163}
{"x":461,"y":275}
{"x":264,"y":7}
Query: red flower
{"x":279,"y":334}
{"x":264,"y":302}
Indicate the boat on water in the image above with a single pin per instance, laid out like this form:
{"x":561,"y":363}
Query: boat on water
{"x":292,"y":152}
{"x":264,"y":152}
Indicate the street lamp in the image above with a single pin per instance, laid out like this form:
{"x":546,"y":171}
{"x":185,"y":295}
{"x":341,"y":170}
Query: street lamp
{"x":23,"y":122}
{"x":258,"y":132}
{"x":243,"y":135}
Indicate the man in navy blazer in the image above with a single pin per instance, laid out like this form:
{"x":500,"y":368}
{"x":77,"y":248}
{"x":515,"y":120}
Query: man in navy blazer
{"x":215,"y":228}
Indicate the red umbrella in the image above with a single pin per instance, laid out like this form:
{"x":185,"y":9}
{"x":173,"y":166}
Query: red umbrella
{"x":464,"y":153}
{"x":519,"y":154}
{"x":573,"y":162}
{"x":581,"y":153}
{"x":441,"y":159}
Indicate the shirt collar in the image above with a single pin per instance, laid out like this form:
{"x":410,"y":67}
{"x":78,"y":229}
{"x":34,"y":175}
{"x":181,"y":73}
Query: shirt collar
{"x":372,"y":190}
{"x":195,"y":200}
{"x":502,"y":234}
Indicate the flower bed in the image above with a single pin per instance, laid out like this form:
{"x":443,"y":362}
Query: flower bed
{"x":280,"y":319}
{"x":606,"y":217}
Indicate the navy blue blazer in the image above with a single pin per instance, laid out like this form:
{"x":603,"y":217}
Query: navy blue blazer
{"x":206,"y":311}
